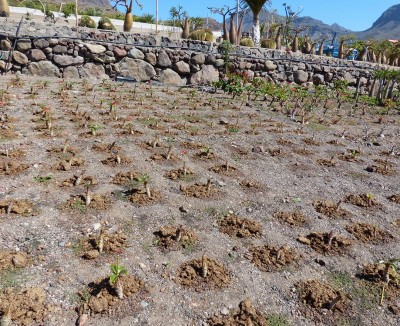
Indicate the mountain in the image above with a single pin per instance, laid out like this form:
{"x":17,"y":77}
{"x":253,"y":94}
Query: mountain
{"x":387,"y":26}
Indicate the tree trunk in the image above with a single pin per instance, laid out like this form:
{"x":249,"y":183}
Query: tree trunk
{"x":128,"y":22}
{"x":239,"y":31}
{"x":4,"y":8}
{"x":321,"y":48}
{"x":186,"y":29}
{"x":256,"y":30}
{"x":341,"y":51}
{"x":278,"y":38}
{"x":295,"y":45}
{"x":232,"y":32}
{"x":225,"y":36}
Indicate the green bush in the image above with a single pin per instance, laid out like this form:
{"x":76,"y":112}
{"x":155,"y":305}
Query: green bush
{"x":86,"y":21}
{"x":246,"y":41}
{"x":92,"y":11}
{"x":203,"y":34}
{"x":105,"y":23}
{"x":268,"y":43}
{"x":68,"y":9}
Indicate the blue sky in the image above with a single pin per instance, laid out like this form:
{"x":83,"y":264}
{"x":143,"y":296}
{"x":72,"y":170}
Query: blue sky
{"x":356,"y":15}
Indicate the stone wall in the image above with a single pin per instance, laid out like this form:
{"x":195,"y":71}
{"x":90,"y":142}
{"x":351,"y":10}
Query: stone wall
{"x":61,"y":51}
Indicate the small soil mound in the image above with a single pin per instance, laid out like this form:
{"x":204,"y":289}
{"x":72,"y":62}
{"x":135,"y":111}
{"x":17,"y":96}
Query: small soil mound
{"x":331,"y":209}
{"x":103,"y":296}
{"x":192,"y":274}
{"x":10,"y":168}
{"x":66,"y":165}
{"x":326,"y":243}
{"x":126,"y":178}
{"x":271,"y":259}
{"x":190,"y":145}
{"x":394,"y":198}
{"x":385,"y":170}
{"x":27,"y":307}
{"x":200,"y":190}
{"x":116,"y":160}
{"x":224,"y":169}
{"x":175,"y":237}
{"x":302,"y":151}
{"x":140,"y":197}
{"x":292,"y":218}
{"x":322,"y":296}
{"x":362,"y":200}
{"x":246,"y":315}
{"x":11,"y":259}
{"x":18,"y":207}
{"x":14,"y":153}
{"x":276,"y":152}
{"x":179,"y":174}
{"x":79,"y":180}
{"x":311,"y":141}
{"x":376,"y":273}
{"x":239,"y":227}
{"x":369,"y":233}
{"x":106,"y":148}
{"x":205,"y":155}
{"x":112,"y":243}
{"x":327,"y":162}
{"x":98,"y":202}
{"x":251,"y":185}
{"x":349,"y":157}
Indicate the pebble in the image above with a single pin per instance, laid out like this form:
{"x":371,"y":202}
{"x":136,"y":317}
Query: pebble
{"x":144,"y":304}
{"x":61,"y":244}
{"x":97,"y":226}
{"x":142,"y":266}
{"x":249,"y":210}
{"x":225,"y":311}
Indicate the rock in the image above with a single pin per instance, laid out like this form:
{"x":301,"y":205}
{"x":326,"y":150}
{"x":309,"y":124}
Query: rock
{"x":67,"y":60}
{"x":93,"y":71}
{"x":23,"y":45}
{"x":71,"y":72}
{"x":95,"y":48}
{"x":151,"y":58}
{"x":41,"y":43}
{"x":225,"y":311}
{"x":135,"y":54}
{"x":5,"y":45}
{"x":91,"y":254}
{"x":19,"y":260}
{"x":249,"y":74}
{"x":60,"y":49}
{"x":43,"y":68}
{"x":20,"y":58}
{"x":96,"y":226}
{"x":318,"y":79}
{"x":210,"y":59}
{"x":170,"y":77}
{"x":328,"y":77}
{"x":181,"y":67}
{"x":269,"y":65}
{"x":219,"y":63}
{"x":3,"y":65}
{"x":207,"y":75}
{"x":36,"y":55}
{"x":183,"y":209}
{"x":363,"y":81}
{"x":119,"y":53}
{"x":135,"y":68}
{"x":349,"y":78}
{"x":163,"y":60}
{"x":144,"y":304}
{"x":304,"y":240}
{"x":198,"y":59}
{"x":300,"y":76}
{"x":101,"y":57}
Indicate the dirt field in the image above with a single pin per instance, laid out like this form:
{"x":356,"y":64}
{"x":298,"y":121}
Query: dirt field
{"x":224,"y":212}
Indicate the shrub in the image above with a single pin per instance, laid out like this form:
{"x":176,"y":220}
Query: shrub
{"x":86,"y":21}
{"x":268,"y":43}
{"x":246,"y":41}
{"x":203,"y":34}
{"x":68,"y":9}
{"x":105,"y":23}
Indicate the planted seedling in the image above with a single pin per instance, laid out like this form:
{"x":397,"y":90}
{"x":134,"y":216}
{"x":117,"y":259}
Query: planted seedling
{"x":117,"y":271}
{"x":204,"y":266}
{"x":94,"y":128}
{"x":144,"y":180}
{"x":391,"y":272}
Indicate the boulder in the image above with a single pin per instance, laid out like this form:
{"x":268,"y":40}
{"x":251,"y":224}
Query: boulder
{"x":198,"y":59}
{"x":60,"y":49}
{"x":318,"y":79}
{"x":269,"y":65}
{"x":206,"y":75}
{"x":95,"y":48}
{"x":5,"y":45}
{"x":67,"y":60}
{"x":101,"y":57}
{"x":135,"y":68}
{"x":363,"y":81}
{"x":36,"y":55}
{"x":163,"y":60}
{"x":3,"y":65}
{"x":300,"y":76}
{"x":210,"y":59}
{"x":119,"y":53}
{"x":349,"y":78}
{"x":219,"y":63}
{"x":135,"y":54}
{"x":71,"y":72}
{"x":20,"y":58}
{"x":151,"y":58}
{"x":93,"y":71}
{"x":181,"y":67}
{"x":43,"y":68}
{"x":24,"y":45}
{"x":41,"y":43}
{"x":170,"y":77}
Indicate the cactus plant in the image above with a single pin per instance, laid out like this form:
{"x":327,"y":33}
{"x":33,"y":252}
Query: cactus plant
{"x":86,"y":21}
{"x":105,"y":23}
{"x":4,"y":8}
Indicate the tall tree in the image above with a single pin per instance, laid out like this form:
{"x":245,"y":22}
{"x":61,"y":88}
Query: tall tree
{"x":256,"y":6}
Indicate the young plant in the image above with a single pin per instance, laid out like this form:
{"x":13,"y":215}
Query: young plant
{"x":144,"y":179}
{"x":117,"y":271}
{"x":94,"y":128}
{"x":391,"y":272}
{"x":204,"y":266}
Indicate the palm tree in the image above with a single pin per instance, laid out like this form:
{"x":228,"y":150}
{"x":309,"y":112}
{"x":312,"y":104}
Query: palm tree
{"x":4,"y":8}
{"x":256,"y":6}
